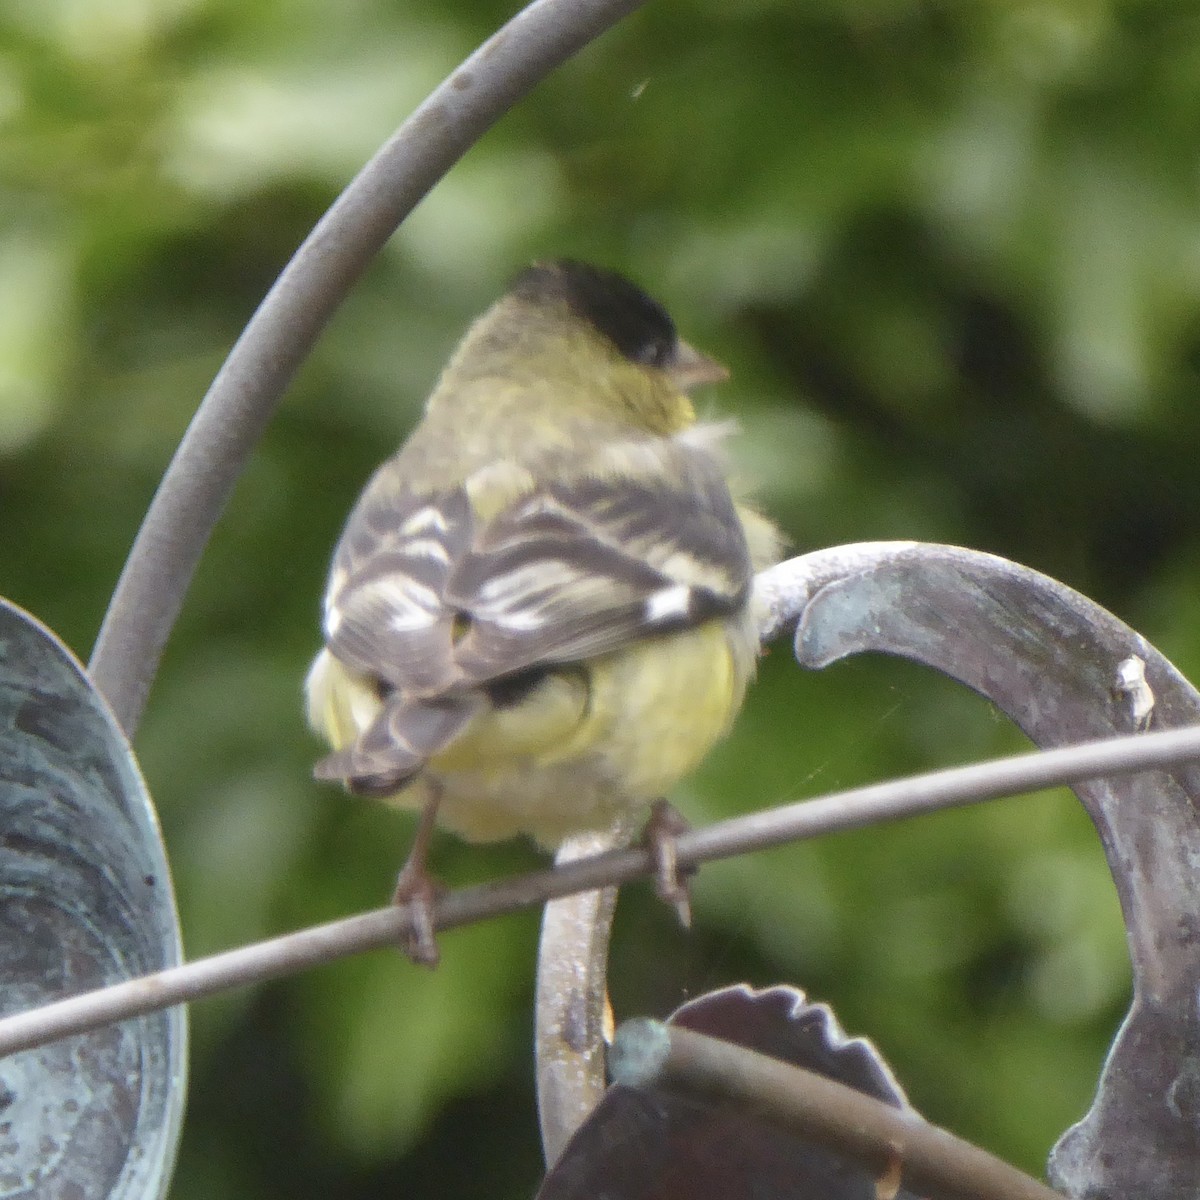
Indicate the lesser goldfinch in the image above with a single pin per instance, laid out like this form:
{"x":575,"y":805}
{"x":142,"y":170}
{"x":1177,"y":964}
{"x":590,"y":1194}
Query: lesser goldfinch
{"x":539,"y":616}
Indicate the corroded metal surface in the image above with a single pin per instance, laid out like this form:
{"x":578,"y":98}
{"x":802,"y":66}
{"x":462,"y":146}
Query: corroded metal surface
{"x":85,"y":900}
{"x":1066,"y":670}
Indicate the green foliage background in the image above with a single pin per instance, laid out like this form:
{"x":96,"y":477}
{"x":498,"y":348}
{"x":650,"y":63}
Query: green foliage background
{"x":952,"y":254}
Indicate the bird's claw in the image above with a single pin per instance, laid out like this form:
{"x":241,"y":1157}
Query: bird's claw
{"x":664,"y":826}
{"x":417,"y":890}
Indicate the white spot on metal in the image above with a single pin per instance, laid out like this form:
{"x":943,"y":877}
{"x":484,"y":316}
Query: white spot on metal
{"x":1131,"y":686}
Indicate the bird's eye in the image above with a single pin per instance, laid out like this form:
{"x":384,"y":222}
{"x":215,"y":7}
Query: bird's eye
{"x":656,"y":353}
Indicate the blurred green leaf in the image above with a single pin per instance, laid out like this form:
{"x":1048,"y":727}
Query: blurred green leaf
{"x":950,"y":251}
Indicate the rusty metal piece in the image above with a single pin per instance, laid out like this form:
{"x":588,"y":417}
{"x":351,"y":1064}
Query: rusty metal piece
{"x":654,"y":1140}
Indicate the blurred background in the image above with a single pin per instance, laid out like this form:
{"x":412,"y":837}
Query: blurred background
{"x":951,"y":252}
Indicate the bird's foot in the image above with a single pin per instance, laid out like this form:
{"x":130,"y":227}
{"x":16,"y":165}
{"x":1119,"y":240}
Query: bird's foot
{"x":666,"y":823}
{"x":417,"y":890}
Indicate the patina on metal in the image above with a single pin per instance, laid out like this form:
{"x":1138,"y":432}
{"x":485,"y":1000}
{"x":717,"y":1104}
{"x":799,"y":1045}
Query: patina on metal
{"x":85,"y":901}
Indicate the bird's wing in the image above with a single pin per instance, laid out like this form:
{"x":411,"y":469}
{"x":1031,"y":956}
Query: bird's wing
{"x":579,"y":569}
{"x":431,"y":599}
{"x":385,"y":609}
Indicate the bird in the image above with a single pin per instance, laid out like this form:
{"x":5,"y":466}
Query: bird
{"x":540,"y":614}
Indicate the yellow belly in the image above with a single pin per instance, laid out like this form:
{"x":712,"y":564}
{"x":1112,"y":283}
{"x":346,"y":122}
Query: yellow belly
{"x":589,"y":742}
{"x":614,"y":736}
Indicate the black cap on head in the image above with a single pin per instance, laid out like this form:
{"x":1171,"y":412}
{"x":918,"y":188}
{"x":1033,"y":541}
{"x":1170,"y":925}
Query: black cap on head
{"x":635,"y":323}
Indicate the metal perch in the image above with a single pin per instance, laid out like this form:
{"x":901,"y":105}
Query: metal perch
{"x":1064,"y":670}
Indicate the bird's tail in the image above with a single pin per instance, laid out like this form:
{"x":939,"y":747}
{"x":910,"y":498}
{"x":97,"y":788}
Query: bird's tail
{"x":396,"y":745}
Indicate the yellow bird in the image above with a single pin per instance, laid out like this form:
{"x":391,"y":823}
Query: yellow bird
{"x":539,"y":615}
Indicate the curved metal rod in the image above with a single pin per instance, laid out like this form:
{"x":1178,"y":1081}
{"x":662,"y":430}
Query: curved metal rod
{"x":570,"y":1016}
{"x":242,"y":398}
{"x":1064,"y":670}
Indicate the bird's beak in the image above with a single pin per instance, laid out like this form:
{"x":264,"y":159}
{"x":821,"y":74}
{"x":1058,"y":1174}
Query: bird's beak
{"x":690,"y":368}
